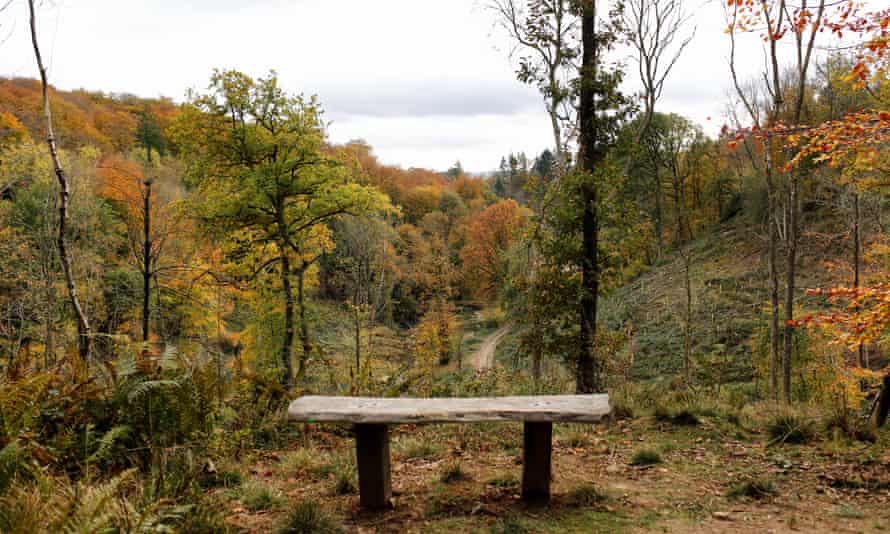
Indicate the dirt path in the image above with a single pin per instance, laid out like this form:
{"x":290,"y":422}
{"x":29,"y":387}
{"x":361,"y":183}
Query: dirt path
{"x":484,"y":357}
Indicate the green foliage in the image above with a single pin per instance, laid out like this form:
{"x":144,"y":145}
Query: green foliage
{"x":308,"y":517}
{"x":266,"y":183}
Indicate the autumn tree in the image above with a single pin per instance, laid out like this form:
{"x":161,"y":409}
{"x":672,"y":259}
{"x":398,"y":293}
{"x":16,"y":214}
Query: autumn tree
{"x":489,"y":236}
{"x":775,"y":21}
{"x":266,"y":181}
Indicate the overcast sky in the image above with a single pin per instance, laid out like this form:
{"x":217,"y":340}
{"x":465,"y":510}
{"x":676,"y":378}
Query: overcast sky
{"x":425,"y":82}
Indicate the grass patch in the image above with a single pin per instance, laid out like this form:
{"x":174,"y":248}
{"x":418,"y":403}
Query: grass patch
{"x":646,"y":457}
{"x":298,"y":461}
{"x":576,"y":440}
{"x":586,"y":494}
{"x":308,"y":518}
{"x":256,"y":496}
{"x":453,"y":473}
{"x":345,"y":483}
{"x":683,"y":417}
{"x":848,"y":512}
{"x":412,"y":448}
{"x":506,"y":481}
{"x":790,"y":427}
{"x":221,"y":479}
{"x":509,"y":525}
{"x":753,"y":489}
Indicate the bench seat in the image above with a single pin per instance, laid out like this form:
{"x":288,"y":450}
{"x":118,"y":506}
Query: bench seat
{"x":366,"y":410}
{"x":372,"y":417}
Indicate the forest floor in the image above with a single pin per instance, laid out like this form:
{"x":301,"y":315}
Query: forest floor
{"x":483,"y":358}
{"x":464,"y":478}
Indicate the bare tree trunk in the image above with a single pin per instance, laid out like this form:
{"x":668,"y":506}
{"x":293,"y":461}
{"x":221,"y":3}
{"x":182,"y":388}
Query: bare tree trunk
{"x":84,"y":333}
{"x":772,"y":254}
{"x":687,"y":327}
{"x":659,"y":209}
{"x":146,"y":260}
{"x":857,"y":246}
{"x":790,"y":271}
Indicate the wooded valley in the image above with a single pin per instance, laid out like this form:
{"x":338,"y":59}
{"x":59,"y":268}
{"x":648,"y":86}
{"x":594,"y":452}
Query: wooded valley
{"x":174,"y":272}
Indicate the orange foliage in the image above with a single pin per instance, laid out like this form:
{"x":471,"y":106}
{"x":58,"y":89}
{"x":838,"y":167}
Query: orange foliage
{"x":120,"y":180}
{"x":488,"y":237}
{"x":81,"y":118}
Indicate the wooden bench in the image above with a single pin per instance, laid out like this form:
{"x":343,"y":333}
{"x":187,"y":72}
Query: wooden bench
{"x":372,"y":418}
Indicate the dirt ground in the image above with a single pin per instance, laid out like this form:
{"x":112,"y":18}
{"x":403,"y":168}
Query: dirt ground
{"x":483,"y":358}
{"x":829,"y":486}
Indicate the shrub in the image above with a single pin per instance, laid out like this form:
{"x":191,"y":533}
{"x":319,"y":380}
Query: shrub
{"x":646,"y":457}
{"x":753,"y":489}
{"x":790,"y":427}
{"x":308,"y":518}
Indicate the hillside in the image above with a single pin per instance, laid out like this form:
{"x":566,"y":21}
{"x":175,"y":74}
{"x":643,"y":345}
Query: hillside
{"x":730,"y":297}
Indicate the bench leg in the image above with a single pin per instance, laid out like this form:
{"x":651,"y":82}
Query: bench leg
{"x":374,"y":477}
{"x":538,"y":445}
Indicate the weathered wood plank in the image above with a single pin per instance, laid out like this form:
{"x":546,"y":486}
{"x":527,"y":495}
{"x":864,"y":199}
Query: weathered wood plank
{"x":363,"y":410}
{"x":374,"y":474}
{"x":536,"y":461}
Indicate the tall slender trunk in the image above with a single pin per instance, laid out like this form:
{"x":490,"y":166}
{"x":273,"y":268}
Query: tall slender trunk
{"x":84,"y":333}
{"x":588,"y":379}
{"x":146,"y":260}
{"x":678,"y":207}
{"x":790,"y":271}
{"x":857,"y":246}
{"x":659,"y":209}
{"x":358,"y":339}
{"x":287,"y":354}
{"x":687,"y":327}
{"x":48,"y":342}
{"x":772,"y":253}
{"x":305,"y":342}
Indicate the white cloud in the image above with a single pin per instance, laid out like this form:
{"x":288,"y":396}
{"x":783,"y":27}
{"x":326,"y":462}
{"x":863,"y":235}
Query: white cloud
{"x":426,"y":82}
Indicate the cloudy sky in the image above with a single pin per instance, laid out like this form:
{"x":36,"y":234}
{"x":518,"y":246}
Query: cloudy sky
{"x":425,"y":82}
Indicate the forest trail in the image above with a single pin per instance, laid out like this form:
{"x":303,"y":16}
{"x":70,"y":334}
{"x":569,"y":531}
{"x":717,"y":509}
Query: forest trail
{"x":484,"y":357}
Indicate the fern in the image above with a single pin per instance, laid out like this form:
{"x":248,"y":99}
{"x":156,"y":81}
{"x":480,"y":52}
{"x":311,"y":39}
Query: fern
{"x":150,"y":386}
{"x":106,"y":443}
{"x":12,"y":461}
{"x":90,"y":509}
